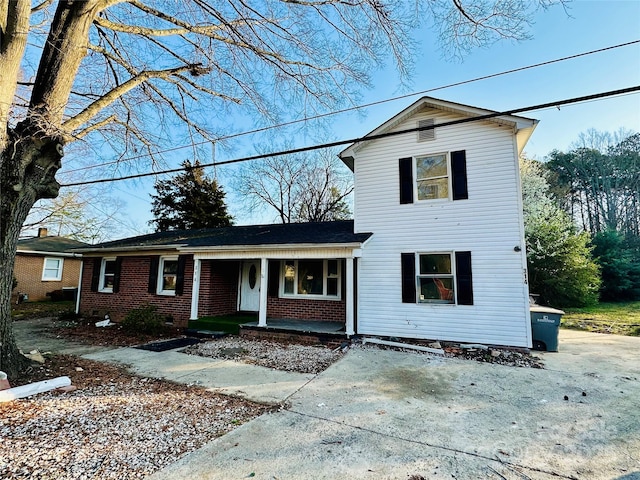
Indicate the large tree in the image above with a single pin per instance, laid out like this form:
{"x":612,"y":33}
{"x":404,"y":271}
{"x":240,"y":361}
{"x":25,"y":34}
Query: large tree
{"x":126,"y":74}
{"x":559,"y":258}
{"x":312,"y":187}
{"x":189,"y":200}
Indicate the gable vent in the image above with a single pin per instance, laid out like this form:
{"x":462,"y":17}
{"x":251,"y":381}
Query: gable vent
{"x":426,"y":135}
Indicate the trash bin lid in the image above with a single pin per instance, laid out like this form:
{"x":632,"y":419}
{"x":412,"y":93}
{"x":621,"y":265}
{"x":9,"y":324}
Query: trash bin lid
{"x":541,"y":309}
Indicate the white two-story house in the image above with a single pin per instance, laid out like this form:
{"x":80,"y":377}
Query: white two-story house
{"x":446,"y":259}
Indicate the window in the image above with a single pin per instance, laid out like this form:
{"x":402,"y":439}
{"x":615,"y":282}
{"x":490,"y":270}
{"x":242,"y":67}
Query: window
{"x":168,"y":275}
{"x":107,"y":275}
{"x":432,"y":177}
{"x":52,"y":269}
{"x":435,"y":278}
{"x":317,"y":278}
{"x":435,"y":176}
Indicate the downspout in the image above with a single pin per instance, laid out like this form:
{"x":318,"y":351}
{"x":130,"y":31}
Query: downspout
{"x":79,"y":287}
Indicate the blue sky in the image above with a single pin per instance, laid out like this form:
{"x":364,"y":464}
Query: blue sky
{"x":588,"y":25}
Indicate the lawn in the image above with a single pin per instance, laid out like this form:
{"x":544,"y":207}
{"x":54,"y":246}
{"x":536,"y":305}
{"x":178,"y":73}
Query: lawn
{"x":225,"y":323}
{"x":620,"y":318}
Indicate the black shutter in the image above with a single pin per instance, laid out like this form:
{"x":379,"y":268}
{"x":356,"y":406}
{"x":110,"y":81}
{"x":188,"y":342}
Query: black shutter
{"x":154,"y":263}
{"x":459,"y":175}
{"x":408,"y":277}
{"x":464,"y":283}
{"x":406,"y":180}
{"x":273,"y":282}
{"x":95,"y":275}
{"x":182,"y":261}
{"x":116,"y":275}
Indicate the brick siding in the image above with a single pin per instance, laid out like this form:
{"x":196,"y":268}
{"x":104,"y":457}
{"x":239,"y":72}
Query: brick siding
{"x":28,"y":272}
{"x":218,"y":295}
{"x":134,"y":280}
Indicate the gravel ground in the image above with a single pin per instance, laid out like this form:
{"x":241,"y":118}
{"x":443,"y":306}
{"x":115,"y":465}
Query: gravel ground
{"x":287,"y":357}
{"x":315,"y":359}
{"x":114,"y":426}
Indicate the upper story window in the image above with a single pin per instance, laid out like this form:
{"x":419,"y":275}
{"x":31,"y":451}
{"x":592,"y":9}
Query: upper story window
{"x":432,"y":176}
{"x":107,"y":275}
{"x":52,"y":269}
{"x":311,"y":278}
{"x":167,"y":276}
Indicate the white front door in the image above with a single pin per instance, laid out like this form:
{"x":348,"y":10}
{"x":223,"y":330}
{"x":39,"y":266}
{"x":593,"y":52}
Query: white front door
{"x":250,"y":286}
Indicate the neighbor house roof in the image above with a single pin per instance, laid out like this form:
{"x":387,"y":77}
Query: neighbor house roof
{"x":52,"y":245}
{"x":320,"y":233}
{"x":522,"y":126}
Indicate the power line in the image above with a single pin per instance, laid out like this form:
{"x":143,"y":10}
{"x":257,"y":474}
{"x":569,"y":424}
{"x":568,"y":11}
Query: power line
{"x":367,"y":105}
{"x":557,"y":103}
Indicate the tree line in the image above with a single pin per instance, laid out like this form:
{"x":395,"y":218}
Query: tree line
{"x":582,"y":220}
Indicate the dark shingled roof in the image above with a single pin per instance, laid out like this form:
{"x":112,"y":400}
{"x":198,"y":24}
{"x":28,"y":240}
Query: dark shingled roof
{"x":321,"y":233}
{"x":50,"y":244}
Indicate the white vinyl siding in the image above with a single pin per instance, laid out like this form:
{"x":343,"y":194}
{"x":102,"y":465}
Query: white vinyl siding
{"x":488,"y":224}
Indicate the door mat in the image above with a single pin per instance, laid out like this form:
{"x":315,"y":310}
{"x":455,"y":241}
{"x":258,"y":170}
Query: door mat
{"x":165,"y":345}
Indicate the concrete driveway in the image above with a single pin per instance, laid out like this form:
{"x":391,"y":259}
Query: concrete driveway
{"x":389,"y":415}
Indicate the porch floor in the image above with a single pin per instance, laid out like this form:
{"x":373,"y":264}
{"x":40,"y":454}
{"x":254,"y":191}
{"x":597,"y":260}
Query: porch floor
{"x":307,"y":326}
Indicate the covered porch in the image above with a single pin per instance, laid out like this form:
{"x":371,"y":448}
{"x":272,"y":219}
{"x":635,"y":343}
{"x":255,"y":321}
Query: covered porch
{"x":272,"y":284}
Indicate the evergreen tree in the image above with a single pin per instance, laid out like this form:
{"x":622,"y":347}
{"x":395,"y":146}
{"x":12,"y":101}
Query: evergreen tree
{"x":189,"y":200}
{"x":560,"y":263}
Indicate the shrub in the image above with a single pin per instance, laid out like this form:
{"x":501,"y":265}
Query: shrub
{"x":144,"y":319}
{"x":619,"y":259}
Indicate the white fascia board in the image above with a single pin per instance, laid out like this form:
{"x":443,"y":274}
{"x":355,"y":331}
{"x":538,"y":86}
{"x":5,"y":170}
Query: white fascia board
{"x":519,"y":123}
{"x":126,"y":250}
{"x":283,"y":247}
{"x":49,"y":254}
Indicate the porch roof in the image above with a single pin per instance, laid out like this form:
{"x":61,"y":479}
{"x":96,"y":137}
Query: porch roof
{"x":314,"y":233}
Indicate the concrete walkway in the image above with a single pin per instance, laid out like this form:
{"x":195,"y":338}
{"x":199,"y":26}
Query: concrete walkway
{"x":252,"y":382}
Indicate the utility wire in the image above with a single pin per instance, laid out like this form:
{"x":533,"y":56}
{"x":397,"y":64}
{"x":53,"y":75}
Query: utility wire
{"x":367,"y":105}
{"x":557,"y":103}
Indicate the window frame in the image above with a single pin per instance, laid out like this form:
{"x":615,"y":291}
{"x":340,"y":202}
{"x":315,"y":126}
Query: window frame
{"x":160,"y":282}
{"x":448,"y":176}
{"x":58,"y":276}
{"x":103,"y":267}
{"x":419,"y":275}
{"x":325,"y":277}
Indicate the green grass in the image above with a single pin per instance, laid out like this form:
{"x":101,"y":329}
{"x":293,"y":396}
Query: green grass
{"x":620,"y":318}
{"x":42,"y":309}
{"x":224,"y":323}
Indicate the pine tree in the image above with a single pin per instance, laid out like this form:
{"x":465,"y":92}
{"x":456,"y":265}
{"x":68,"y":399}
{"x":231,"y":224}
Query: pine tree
{"x":189,"y":200}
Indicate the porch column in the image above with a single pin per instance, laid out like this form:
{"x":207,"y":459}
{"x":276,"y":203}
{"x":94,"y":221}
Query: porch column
{"x":264,"y":276}
{"x":349,"y":301}
{"x":195,"y":289}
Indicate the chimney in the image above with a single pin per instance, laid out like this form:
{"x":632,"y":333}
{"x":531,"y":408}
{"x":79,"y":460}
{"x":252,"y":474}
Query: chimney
{"x":42,"y":232}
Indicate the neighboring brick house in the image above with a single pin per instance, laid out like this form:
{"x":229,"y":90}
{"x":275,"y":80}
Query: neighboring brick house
{"x":45,"y":264}
{"x":435,"y":251}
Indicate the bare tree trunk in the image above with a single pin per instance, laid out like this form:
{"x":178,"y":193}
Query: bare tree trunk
{"x":30,"y":153}
{"x":20,"y":187}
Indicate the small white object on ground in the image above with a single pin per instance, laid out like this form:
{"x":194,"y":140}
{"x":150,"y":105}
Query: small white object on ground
{"x":33,"y":388}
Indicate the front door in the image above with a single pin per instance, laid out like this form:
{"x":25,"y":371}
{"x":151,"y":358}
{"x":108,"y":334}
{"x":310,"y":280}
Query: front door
{"x":250,"y":286}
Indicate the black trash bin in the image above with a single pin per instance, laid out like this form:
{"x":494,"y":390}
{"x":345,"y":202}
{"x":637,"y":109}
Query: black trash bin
{"x":545,"y":324}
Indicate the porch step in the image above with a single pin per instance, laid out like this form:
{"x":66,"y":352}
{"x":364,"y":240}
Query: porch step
{"x":204,"y":333}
